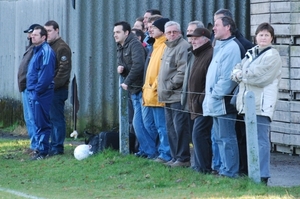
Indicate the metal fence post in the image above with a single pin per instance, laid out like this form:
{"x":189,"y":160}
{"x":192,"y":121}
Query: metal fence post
{"x":123,"y":119}
{"x":251,"y":136}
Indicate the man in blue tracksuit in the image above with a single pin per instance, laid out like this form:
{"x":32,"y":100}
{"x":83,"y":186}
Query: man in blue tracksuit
{"x":40,"y":86}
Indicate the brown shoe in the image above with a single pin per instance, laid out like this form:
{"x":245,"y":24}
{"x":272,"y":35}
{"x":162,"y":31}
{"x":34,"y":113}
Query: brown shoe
{"x":169,"y":163}
{"x":215,"y":172}
{"x":160,"y":160}
{"x":27,"y":151}
{"x":181,"y":164}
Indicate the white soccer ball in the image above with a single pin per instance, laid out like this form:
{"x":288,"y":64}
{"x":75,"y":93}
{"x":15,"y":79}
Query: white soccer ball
{"x":82,"y":151}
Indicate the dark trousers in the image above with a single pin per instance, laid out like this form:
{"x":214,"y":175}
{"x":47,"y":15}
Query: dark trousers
{"x":178,"y":132}
{"x":240,"y":129}
{"x":58,"y":122}
{"x":202,"y":143}
{"x":130,"y":118}
{"x":41,"y":109}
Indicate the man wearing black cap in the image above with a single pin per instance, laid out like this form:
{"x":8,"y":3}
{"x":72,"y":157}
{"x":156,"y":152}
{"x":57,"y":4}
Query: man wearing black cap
{"x":153,"y":109}
{"x":201,"y":134}
{"x":146,"y":17}
{"x":28,"y":117}
{"x":61,"y":80}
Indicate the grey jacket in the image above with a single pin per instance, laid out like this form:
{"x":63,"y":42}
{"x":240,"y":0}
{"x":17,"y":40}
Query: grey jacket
{"x":184,"y":93}
{"x":172,"y":69}
{"x":22,"y":72}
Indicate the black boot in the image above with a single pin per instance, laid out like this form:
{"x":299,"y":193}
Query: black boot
{"x":264,"y":180}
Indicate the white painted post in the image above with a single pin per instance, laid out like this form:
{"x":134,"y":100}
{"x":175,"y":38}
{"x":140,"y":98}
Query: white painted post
{"x":251,"y":136}
{"x":123,"y":120}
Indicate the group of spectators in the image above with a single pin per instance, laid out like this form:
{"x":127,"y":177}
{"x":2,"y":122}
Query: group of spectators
{"x":43,"y":79}
{"x":182,"y":90}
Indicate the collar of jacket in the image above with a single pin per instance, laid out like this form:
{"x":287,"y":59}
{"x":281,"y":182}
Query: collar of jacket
{"x":53,"y":42}
{"x":174,"y":43}
{"x":127,"y":40}
{"x":262,"y":48}
{"x":197,"y":51}
{"x":224,"y":41}
{"x":160,"y":40}
{"x":37,"y":48}
{"x":232,"y":36}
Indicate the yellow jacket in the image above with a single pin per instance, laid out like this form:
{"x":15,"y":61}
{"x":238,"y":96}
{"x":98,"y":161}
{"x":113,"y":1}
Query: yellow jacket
{"x":150,"y":97}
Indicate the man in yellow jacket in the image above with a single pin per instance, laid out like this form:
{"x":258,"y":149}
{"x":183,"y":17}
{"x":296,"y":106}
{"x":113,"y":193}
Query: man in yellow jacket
{"x":153,"y":111}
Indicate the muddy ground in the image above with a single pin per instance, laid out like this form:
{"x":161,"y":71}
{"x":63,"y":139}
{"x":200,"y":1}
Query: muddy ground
{"x":285,"y":168}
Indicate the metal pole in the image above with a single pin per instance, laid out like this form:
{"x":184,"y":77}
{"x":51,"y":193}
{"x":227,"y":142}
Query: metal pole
{"x":251,"y":136}
{"x":123,"y":119}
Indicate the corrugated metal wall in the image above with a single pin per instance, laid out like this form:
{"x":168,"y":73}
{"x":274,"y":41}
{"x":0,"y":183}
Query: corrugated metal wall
{"x":88,"y":30}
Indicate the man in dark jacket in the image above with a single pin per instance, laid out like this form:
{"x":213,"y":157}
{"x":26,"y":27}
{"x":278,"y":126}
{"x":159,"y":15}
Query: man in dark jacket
{"x":61,"y":80}
{"x":201,"y":134}
{"x":131,"y":60}
{"x":40,"y":86}
{"x":28,"y":115}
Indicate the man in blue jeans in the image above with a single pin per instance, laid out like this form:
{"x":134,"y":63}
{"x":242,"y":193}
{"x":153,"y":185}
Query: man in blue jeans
{"x":153,"y":110}
{"x":61,"y":80}
{"x":22,"y":72}
{"x":218,"y":89}
{"x":40,"y":87}
{"x":131,"y":59}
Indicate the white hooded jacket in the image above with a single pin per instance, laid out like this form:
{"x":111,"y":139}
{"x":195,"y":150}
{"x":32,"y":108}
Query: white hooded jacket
{"x":261,"y":75}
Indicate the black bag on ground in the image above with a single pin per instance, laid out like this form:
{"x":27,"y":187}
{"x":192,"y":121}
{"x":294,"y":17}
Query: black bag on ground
{"x":105,"y":140}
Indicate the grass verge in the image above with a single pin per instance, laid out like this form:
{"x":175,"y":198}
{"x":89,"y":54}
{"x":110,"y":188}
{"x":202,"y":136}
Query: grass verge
{"x":112,"y":175}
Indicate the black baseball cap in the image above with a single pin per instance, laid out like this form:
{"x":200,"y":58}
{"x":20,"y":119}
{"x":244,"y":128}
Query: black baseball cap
{"x":31,"y":28}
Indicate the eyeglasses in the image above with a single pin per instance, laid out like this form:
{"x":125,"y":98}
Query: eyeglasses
{"x":172,"y":32}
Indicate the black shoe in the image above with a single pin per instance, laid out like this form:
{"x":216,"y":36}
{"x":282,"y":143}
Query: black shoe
{"x":140,"y":155}
{"x":264,"y":181}
{"x":38,"y":157}
{"x":53,"y":153}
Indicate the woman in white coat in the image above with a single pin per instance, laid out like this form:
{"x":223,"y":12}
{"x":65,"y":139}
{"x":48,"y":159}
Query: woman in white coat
{"x":260,"y":72}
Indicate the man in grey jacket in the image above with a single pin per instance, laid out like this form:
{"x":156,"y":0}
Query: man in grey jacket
{"x":170,"y":80}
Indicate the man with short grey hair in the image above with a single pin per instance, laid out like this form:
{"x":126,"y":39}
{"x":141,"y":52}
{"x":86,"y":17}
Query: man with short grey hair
{"x":170,"y":80}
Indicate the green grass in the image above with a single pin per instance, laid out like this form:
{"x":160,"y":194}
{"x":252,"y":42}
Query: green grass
{"x":112,"y":175}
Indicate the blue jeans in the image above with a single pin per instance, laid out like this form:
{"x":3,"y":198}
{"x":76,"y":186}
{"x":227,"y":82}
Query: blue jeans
{"x":41,"y":109}
{"x":29,"y":120}
{"x":263,"y":130}
{"x":58,"y":121}
{"x":155,"y":123}
{"x":178,"y":132}
{"x":216,"y":159}
{"x":225,"y":136}
{"x":202,"y":143}
{"x":146,"y":144}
